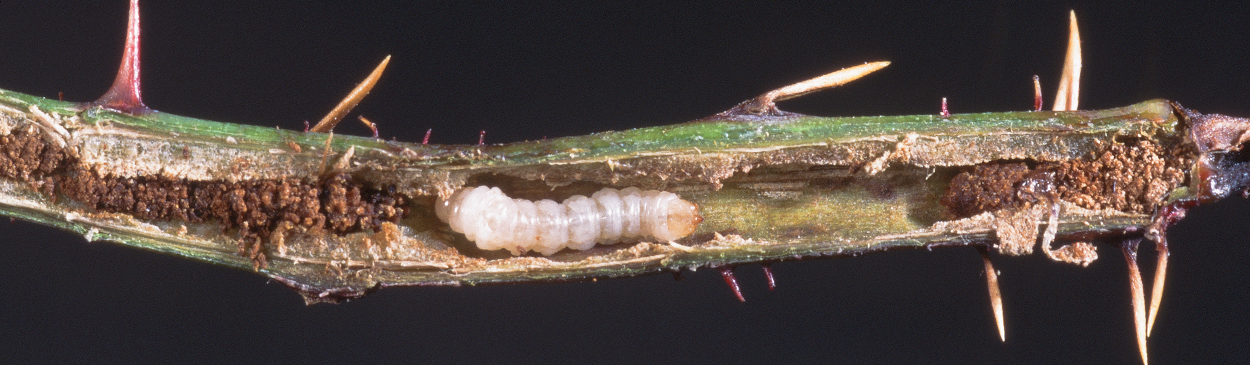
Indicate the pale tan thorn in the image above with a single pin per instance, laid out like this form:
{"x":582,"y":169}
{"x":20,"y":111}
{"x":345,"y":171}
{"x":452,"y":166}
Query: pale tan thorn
{"x":1156,"y":295}
{"x":996,"y":297}
{"x":334,"y":116}
{"x":1139,"y":300}
{"x":829,"y":80}
{"x":1070,"y":82}
{"x":764,"y":105}
{"x":369,"y":124}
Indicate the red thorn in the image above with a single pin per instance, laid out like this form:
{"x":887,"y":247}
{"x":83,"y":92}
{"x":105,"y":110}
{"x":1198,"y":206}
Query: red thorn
{"x":677,"y":276}
{"x":727,"y":272}
{"x":768,"y":273}
{"x":60,"y":96}
{"x":305,"y":126}
{"x":481,"y":138}
{"x":426,"y":140}
{"x":945,"y":113}
{"x":124,"y":94}
{"x":1037,"y":94}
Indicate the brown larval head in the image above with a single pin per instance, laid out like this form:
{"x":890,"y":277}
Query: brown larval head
{"x":683,"y":218}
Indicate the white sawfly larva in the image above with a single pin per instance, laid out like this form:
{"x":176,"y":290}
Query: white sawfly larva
{"x":494,"y":221}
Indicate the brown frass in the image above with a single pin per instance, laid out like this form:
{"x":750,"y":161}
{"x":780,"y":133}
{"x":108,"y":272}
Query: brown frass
{"x":1133,"y":176}
{"x":987,"y":187}
{"x":255,"y":208}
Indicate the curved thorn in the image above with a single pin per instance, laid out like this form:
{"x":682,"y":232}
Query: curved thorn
{"x":1165,"y":217}
{"x":124,"y":95}
{"x":334,"y":116}
{"x":426,"y":140}
{"x":1156,"y":295}
{"x":996,"y":296}
{"x":1139,"y":296}
{"x":1070,"y":80}
{"x":727,"y":272}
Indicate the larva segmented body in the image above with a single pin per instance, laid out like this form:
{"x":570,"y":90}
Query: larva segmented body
{"x":494,"y":221}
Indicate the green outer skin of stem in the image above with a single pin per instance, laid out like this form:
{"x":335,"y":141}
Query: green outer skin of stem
{"x":801,"y":207}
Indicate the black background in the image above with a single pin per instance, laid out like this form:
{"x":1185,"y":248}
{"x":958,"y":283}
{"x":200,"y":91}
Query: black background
{"x":533,"y":70}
